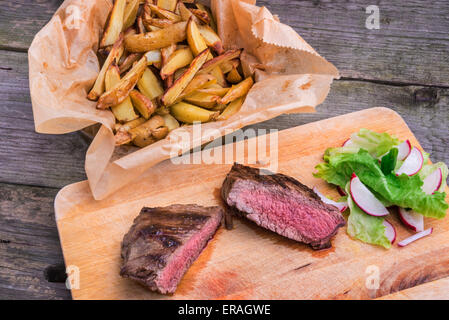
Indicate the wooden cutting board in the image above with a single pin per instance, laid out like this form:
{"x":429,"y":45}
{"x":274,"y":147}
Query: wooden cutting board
{"x":248,"y":262}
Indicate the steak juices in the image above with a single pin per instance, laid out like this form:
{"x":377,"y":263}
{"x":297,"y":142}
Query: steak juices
{"x":163,"y":242}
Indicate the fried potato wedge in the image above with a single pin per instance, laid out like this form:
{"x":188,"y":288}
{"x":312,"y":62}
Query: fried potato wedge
{"x":227,"y":66}
{"x":176,"y":89}
{"x":198,"y":82}
{"x":149,"y":23}
{"x":201,"y":15}
{"x":170,"y":122}
{"x":202,"y":99}
{"x":164,"y":14}
{"x":185,"y":13}
{"x":140,"y":26}
{"x":128,"y":62}
{"x":114,"y":56}
{"x":238,"y":90}
{"x":194,"y":38}
{"x":123,"y":111}
{"x":167,"y":4}
{"x":178,"y":59}
{"x":145,"y":106}
{"x":156,"y":39}
{"x":167,"y":52}
{"x":212,"y":22}
{"x":214,"y":91}
{"x":234,"y":76}
{"x":114,"y":25}
{"x":148,"y":132}
{"x":154,"y":57}
{"x":217,"y":61}
{"x":122,"y":136}
{"x":218,"y":74}
{"x":231,"y":109}
{"x":188,"y":113}
{"x":122,"y":89}
{"x":129,"y":17}
{"x":150,"y":85}
{"x":211,"y":38}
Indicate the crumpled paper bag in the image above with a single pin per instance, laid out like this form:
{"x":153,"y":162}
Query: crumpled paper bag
{"x":291,"y":77}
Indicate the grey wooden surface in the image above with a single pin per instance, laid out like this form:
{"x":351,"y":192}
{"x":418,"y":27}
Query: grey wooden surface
{"x":403,"y":65}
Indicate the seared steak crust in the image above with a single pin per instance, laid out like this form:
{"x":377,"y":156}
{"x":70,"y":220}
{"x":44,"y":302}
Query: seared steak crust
{"x":164,"y":241}
{"x":281,"y":204}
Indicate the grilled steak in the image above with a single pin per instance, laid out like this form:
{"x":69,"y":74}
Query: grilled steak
{"x":163,"y":243}
{"x":281,"y":204}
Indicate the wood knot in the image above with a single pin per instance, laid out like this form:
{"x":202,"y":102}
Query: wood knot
{"x":55,"y":273}
{"x":429,"y":95}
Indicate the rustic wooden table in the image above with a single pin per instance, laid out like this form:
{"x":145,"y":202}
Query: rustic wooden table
{"x":404,"y":65}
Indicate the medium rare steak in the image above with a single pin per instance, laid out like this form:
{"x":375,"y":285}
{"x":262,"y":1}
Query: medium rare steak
{"x":163,"y":243}
{"x":281,"y":204}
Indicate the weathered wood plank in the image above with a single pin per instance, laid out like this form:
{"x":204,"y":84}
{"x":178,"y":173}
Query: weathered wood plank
{"x":25,"y":156}
{"x":29,"y":243}
{"x":411,"y":45}
{"x":20,"y":21}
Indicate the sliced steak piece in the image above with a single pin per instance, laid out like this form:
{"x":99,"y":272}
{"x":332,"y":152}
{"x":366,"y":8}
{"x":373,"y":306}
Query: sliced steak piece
{"x":281,"y":204}
{"x":163,"y":243}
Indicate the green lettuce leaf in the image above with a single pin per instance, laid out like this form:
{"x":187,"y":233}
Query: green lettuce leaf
{"x":388,"y":163}
{"x":377,"y":144}
{"x":429,"y":168}
{"x":403,"y":191}
{"x":364,"y":227}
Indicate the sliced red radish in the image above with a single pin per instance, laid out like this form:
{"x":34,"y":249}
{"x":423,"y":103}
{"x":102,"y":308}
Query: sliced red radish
{"x":412,"y":164}
{"x":365,"y":199}
{"x":348,"y":142}
{"x":411,"y":219}
{"x":432,"y":182}
{"x":390,"y":231}
{"x":415,"y":237}
{"x":404,"y":150}
{"x":342,"y":206}
{"x":341,"y":191}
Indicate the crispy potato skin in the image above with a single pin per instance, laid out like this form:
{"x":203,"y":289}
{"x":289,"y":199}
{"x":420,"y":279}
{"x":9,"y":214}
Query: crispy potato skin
{"x":144,"y":42}
{"x":175,"y":90}
{"x":121,"y":91}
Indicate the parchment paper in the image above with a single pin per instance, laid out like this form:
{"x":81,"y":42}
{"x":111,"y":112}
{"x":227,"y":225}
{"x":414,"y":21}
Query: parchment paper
{"x":290,"y":78}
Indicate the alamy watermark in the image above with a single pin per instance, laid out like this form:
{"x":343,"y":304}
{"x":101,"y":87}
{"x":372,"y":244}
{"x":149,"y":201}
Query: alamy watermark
{"x":373,"y":19}
{"x":261,"y":147}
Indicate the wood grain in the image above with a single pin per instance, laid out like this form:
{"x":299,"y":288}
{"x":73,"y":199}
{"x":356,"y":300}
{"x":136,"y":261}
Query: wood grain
{"x":248,"y":262}
{"x":27,"y":157}
{"x":28,"y":243}
{"x":409,"y":47}
{"x":435,"y":290}
{"x":21,"y":20}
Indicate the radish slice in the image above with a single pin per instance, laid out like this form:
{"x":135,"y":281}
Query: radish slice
{"x":342,"y":206}
{"x":365,"y":199}
{"x":411,"y":219}
{"x":433,"y":181}
{"x":412,"y":164}
{"x":341,"y":191}
{"x":404,"y":150}
{"x":390,"y":231}
{"x":415,"y":237}
{"x":348,"y":142}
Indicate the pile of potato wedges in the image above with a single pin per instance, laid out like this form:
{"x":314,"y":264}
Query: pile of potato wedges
{"x":163,"y":66}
